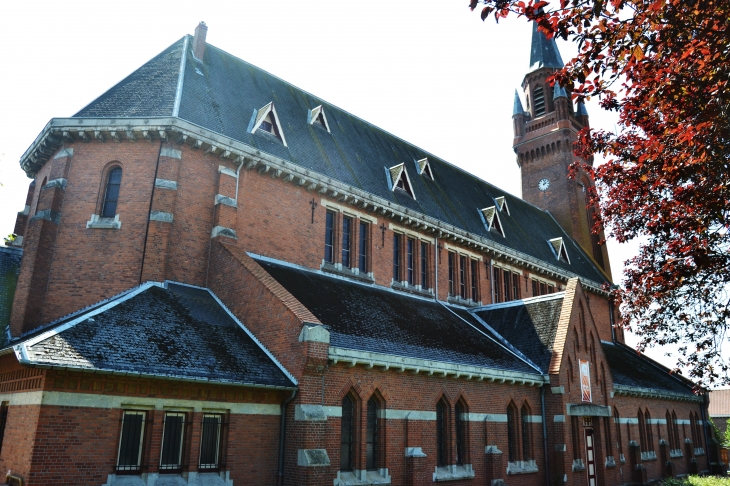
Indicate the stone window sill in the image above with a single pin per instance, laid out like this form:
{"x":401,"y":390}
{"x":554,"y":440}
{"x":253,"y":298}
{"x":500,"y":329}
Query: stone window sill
{"x":362,"y":477}
{"x":610,"y":462}
{"x":97,"y":222}
{"x":675,"y":453}
{"x":412,"y":289}
{"x":648,"y":456}
{"x":699,"y":451}
{"x":578,"y":465}
{"x":522,"y":467}
{"x":455,"y":299}
{"x":453,"y":473}
{"x":338,"y":269}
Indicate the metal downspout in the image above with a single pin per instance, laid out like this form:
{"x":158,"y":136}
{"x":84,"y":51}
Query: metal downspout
{"x":544,"y":435}
{"x":436,"y":267}
{"x":282,"y":431}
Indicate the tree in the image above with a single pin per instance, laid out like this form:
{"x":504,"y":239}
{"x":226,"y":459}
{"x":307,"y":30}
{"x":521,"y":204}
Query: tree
{"x":664,"y":66}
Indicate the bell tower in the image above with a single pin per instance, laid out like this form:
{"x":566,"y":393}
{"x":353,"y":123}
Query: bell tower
{"x":545,"y":130}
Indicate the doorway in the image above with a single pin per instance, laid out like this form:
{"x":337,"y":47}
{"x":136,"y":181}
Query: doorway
{"x":590,"y":457}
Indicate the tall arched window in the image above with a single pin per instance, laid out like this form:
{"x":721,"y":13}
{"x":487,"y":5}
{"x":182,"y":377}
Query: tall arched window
{"x":373,"y":436}
{"x":347,"y":433}
{"x":511,"y":432}
{"x":38,"y":198}
{"x":642,"y":431}
{"x":441,"y":409}
{"x":649,"y":434}
{"x":111,"y":194}
{"x":526,"y":433}
{"x":617,"y":421}
{"x":461,"y":445}
{"x":675,"y":430}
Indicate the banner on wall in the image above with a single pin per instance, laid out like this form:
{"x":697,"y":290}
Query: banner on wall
{"x":585,"y":380}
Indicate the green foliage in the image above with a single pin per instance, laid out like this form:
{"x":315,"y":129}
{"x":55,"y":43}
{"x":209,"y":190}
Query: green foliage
{"x":10,"y":238}
{"x":698,"y":481}
{"x":727,"y":435}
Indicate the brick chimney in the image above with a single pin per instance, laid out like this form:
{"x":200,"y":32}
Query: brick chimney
{"x":199,"y":40}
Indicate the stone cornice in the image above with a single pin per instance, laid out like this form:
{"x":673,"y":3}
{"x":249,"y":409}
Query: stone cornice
{"x":637,"y":391}
{"x":61,"y":131}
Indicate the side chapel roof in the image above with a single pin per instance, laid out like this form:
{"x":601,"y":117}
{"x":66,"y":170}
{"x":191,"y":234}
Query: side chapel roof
{"x":220,"y":93}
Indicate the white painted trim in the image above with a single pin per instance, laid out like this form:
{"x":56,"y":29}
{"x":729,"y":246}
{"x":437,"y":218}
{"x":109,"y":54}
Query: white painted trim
{"x":400,"y":363}
{"x":349,"y":211}
{"x":261,"y":114}
{"x":657,"y":421}
{"x":181,"y":78}
{"x":91,"y":400}
{"x":626,"y":420}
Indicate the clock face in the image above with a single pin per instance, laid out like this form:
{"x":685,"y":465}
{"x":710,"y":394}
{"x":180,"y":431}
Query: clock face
{"x":543,"y":184}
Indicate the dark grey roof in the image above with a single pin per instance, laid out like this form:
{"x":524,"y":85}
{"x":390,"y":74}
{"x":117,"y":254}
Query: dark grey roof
{"x":372,"y":319}
{"x":517,"y":108}
{"x":149,"y":91}
{"x":544,"y":52}
{"x":559,"y":91}
{"x":221,"y":93}
{"x":630,"y":368}
{"x":529,"y":325}
{"x":180,"y":332}
{"x":581,"y":109}
{"x":9,"y":269}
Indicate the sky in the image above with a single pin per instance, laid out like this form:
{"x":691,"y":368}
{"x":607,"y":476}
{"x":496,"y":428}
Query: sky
{"x":430,"y":72}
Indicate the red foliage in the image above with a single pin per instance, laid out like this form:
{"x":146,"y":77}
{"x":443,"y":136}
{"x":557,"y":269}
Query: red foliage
{"x":664,"y":65}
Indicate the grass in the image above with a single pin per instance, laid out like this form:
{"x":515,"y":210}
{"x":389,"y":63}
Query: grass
{"x":698,"y":481}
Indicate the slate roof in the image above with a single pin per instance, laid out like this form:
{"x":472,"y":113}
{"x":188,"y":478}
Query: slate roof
{"x":373,"y":319}
{"x":631,"y":369}
{"x":720,"y":403}
{"x":223,"y":92}
{"x":180,"y":332}
{"x":544,"y":52}
{"x":530,"y":325}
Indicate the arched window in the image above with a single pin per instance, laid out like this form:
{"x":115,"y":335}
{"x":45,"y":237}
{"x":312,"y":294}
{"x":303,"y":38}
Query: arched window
{"x":511,"y":432}
{"x":373,"y":435}
{"x":526,"y":433}
{"x":642,"y":432}
{"x":617,"y":421}
{"x":570,"y":372}
{"x":607,"y":433}
{"x":675,"y":430}
{"x":649,"y":434}
{"x":347,"y":433}
{"x":111,"y":194}
{"x":441,"y":409}
{"x":538,"y":96}
{"x":461,"y":422}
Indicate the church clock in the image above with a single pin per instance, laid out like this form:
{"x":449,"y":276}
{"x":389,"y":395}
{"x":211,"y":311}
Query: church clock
{"x":543,"y":184}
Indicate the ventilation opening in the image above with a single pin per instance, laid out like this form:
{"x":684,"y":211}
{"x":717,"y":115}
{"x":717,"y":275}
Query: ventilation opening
{"x":538,"y":96}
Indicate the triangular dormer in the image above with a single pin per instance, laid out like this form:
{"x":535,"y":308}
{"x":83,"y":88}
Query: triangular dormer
{"x":424,"y":168}
{"x":491,"y":219}
{"x":266,"y":120}
{"x":399,"y":179}
{"x":316,"y":116}
{"x":502,"y":204}
{"x":558,"y":247}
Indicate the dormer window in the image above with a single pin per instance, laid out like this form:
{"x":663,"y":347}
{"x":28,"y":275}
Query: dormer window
{"x":502,"y":204}
{"x":490,"y":218}
{"x":316,"y":116}
{"x":424,"y":168}
{"x":558,"y":246}
{"x":266,"y":120}
{"x":399,"y":179}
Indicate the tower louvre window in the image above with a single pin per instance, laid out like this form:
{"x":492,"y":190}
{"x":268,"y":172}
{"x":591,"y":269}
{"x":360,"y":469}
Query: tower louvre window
{"x":538,"y":98}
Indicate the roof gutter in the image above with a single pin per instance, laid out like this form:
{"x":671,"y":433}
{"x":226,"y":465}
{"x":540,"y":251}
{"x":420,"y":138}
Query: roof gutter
{"x":60,"y":130}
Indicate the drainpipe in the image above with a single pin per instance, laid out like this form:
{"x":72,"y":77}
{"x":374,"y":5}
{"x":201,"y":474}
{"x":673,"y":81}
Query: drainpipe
{"x":282,"y":430}
{"x":544,"y":434}
{"x":436,"y":267}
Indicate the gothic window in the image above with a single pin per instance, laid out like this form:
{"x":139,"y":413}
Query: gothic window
{"x":617,"y":420}
{"x":173,"y":429}
{"x":497,"y":284}
{"x":670,"y":431}
{"x":329,"y":237}
{"x":441,"y":410}
{"x":474,"y":280}
{"x":675,"y":430}
{"x":131,"y":441}
{"x":424,"y":265}
{"x":111,"y":194}
{"x":346,"y":240}
{"x":526,"y":433}
{"x":511,"y":432}
{"x":649,"y":433}
{"x":373,"y":436}
{"x":461,"y":445}
{"x":516,"y":294}
{"x":607,"y":433}
{"x":538,"y":97}
{"x":462,"y":276}
{"x":507,"y":285}
{"x":347,"y":433}
{"x":364,"y":235}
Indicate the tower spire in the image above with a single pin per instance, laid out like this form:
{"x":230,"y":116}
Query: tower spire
{"x":544,"y":52}
{"x":518,"y":109}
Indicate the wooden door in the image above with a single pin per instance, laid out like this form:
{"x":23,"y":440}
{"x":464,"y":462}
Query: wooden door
{"x":590,"y":457}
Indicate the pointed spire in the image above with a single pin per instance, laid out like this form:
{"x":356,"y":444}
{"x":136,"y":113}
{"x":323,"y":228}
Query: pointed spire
{"x":518,"y":110}
{"x":581,"y":109}
{"x":543,"y":51}
{"x":559,"y":91}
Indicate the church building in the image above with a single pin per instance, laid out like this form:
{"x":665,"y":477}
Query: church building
{"x":226,"y":280}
